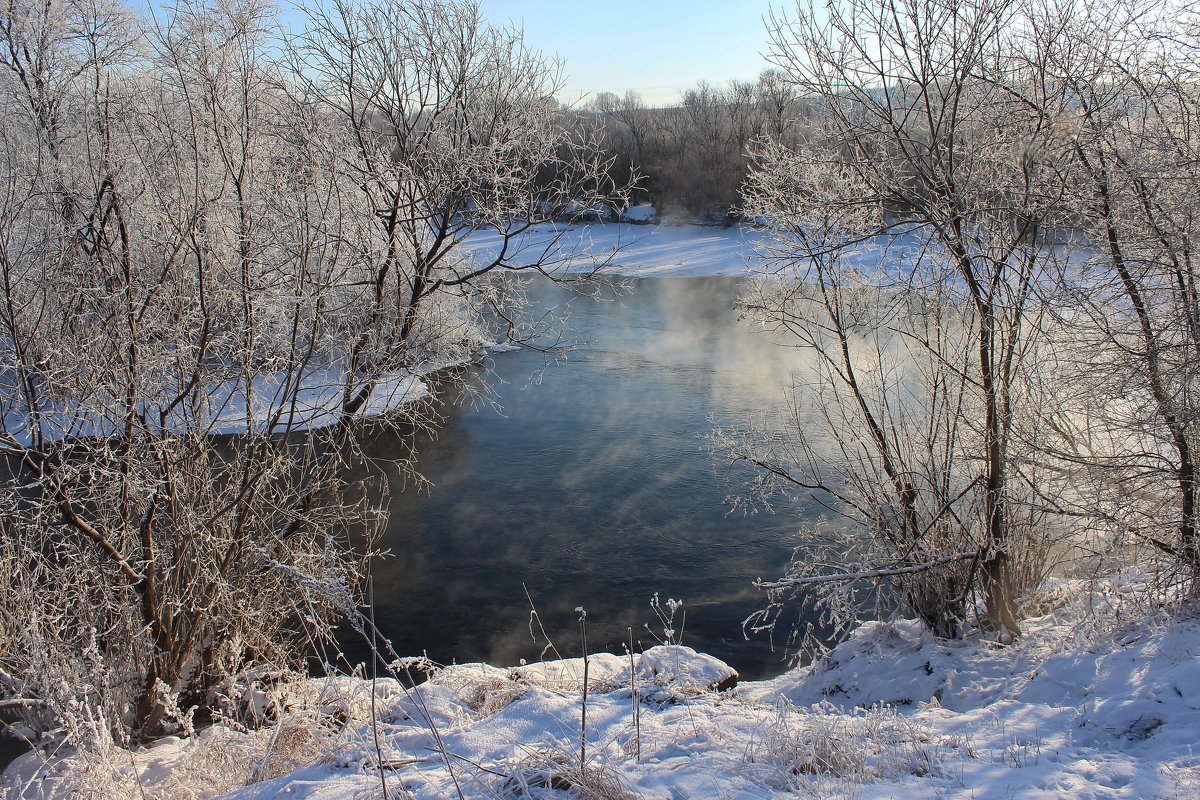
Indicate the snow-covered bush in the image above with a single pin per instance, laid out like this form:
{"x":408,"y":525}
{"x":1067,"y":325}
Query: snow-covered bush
{"x":639,"y":215}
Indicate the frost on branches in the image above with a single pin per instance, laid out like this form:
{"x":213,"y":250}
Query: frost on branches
{"x":208,"y":226}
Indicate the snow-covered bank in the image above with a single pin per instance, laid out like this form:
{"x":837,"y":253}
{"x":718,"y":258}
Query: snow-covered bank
{"x":279,"y":401}
{"x":1083,"y":706}
{"x":314,"y":399}
{"x":644,"y":250}
{"x":675,"y":250}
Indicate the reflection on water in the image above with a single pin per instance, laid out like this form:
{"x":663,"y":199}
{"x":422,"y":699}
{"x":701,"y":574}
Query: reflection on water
{"x":594,"y":489}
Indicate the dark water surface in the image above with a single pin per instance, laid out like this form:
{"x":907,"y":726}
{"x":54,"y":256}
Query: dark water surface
{"x":594,"y":487}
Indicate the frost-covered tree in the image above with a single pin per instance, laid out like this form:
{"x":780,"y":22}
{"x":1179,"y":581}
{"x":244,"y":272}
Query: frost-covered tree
{"x":212,"y":267}
{"x":916,"y":224}
{"x":450,"y":127}
{"x":1125,"y":440}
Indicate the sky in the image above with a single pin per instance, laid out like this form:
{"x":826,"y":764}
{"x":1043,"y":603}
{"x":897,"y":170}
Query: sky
{"x":656,"y":47}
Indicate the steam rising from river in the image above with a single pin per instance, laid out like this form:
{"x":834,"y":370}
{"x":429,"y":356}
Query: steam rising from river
{"x":595,"y":488}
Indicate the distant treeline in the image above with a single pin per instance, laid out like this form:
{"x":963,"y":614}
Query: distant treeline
{"x":693,"y":157}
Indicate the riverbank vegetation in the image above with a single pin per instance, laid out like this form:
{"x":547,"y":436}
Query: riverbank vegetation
{"x":997,"y":281}
{"x":982,"y":227}
{"x":210,"y":228}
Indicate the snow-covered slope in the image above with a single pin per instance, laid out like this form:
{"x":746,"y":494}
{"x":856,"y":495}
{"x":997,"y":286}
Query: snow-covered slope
{"x":1083,"y":706}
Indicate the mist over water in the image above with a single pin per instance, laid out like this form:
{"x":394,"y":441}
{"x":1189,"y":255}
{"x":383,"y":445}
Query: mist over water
{"x":594,"y":487}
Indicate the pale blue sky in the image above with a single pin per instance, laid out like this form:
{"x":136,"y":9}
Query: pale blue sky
{"x":658,"y":47}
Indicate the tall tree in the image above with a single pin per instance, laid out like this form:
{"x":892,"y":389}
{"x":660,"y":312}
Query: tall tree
{"x":918,"y":190}
{"x":1128,"y":437}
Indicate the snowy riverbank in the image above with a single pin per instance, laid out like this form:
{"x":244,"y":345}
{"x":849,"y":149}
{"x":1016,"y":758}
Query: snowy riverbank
{"x":1097,"y":700}
{"x":639,"y":250}
{"x":674,"y":249}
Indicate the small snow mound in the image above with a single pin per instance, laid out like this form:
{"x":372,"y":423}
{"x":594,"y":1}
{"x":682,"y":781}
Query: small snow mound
{"x":896,"y":663}
{"x":680,"y":667}
{"x":604,"y":670}
{"x":639,"y":215}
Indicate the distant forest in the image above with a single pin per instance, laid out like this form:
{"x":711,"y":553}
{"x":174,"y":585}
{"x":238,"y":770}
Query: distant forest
{"x":689,"y":160}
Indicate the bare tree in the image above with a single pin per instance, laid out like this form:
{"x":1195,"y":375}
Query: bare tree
{"x":207,"y":245}
{"x":1126,"y":437}
{"x":918,"y":192}
{"x":629,"y":132}
{"x":452,"y":129}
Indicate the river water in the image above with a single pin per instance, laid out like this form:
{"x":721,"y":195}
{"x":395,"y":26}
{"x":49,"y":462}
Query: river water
{"x":593,"y":487}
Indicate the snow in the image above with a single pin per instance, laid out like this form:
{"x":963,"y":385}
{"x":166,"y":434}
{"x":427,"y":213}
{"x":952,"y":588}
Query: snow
{"x":589,"y":211}
{"x":639,"y":214}
{"x":278,"y":399}
{"x":672,"y":250}
{"x":317,"y":403}
{"x":1099,"y":699}
{"x":640,"y":250}
{"x":275,"y":399}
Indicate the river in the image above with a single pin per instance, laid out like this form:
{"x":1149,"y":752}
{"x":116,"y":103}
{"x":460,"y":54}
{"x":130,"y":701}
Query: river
{"x":592,"y":486}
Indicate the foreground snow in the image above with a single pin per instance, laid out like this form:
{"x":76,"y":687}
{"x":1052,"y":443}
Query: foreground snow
{"x":1085,"y":705}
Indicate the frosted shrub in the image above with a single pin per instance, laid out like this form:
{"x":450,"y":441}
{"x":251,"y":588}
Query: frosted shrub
{"x":298,"y":740}
{"x":862,"y":746}
{"x":299,"y":723}
{"x":560,"y":771}
{"x":483,"y":689}
{"x":665,"y":612}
